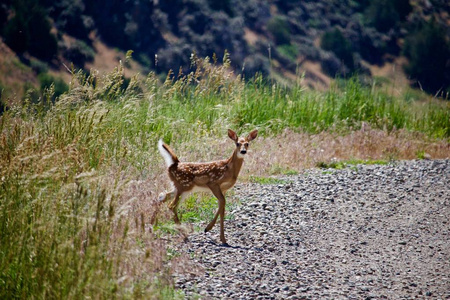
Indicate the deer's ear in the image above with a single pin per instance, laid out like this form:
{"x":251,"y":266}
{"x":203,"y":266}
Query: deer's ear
{"x":232,"y":135}
{"x":252,"y":135}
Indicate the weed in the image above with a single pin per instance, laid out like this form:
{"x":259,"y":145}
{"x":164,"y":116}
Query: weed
{"x":349,"y":163}
{"x":277,"y":169}
{"x":79,"y":177}
{"x":267,"y":180}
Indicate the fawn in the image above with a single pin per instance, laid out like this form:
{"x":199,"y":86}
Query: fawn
{"x":216,"y":177}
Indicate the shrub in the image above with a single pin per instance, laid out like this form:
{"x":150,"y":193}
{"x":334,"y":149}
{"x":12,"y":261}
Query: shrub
{"x":256,"y":63}
{"x":385,"y":14}
{"x":223,"y":5}
{"x":428,"y":51}
{"x":69,"y":17}
{"x":336,"y":42}
{"x":289,"y":50}
{"x":79,"y":53}
{"x":29,"y":30}
{"x":38,"y":66}
{"x":59,"y":86}
{"x":279,"y":28}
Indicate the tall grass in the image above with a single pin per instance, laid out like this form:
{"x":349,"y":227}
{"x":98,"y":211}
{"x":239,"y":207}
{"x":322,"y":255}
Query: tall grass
{"x":78,"y":177}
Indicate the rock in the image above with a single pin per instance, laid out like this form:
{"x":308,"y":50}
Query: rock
{"x":384,"y":236}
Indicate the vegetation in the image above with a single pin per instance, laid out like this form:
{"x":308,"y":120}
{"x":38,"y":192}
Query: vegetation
{"x":353,"y":162}
{"x":428,"y":51}
{"x":279,"y":28}
{"x":29,"y":29}
{"x":373,"y":30}
{"x":336,"y":42}
{"x":80,"y":176}
{"x":385,"y":15}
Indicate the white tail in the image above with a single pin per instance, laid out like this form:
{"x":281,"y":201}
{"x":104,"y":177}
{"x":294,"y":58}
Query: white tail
{"x":166,"y":154}
{"x":216,"y":177}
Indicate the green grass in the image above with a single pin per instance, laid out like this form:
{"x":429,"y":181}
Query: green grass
{"x":267,"y":180}
{"x":76,"y":175}
{"x":202,"y":208}
{"x":348,"y":163}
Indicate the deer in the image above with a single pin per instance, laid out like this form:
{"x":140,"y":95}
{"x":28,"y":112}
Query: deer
{"x":216,"y":177}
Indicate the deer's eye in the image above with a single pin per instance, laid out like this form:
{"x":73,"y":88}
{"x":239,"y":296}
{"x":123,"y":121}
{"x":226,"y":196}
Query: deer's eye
{"x":238,"y":144}
{"x":246,"y":144}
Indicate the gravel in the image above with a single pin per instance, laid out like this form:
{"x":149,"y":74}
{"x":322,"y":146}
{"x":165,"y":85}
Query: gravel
{"x":364,"y":232}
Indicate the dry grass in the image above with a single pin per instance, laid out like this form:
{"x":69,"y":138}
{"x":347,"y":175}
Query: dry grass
{"x":79,"y":178}
{"x":300,"y":151}
{"x":294,"y":151}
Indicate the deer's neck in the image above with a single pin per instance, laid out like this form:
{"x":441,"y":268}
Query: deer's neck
{"x":235,"y":162}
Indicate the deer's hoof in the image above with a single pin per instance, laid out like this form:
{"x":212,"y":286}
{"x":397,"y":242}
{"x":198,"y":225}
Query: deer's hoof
{"x":161,"y":197}
{"x":225,"y":244}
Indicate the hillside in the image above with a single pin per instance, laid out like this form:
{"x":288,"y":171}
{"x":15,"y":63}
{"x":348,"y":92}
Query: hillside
{"x":280,"y":39}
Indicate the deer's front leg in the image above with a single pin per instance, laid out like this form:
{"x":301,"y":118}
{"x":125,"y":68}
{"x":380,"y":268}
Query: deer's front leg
{"x":221,"y":211}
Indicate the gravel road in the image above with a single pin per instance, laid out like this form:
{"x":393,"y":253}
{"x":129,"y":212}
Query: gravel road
{"x":365,"y":232}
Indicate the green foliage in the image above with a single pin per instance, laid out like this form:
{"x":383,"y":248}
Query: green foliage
{"x":267,"y":180}
{"x":57,"y":84}
{"x":29,"y":30}
{"x":70,"y":17}
{"x":335,"y":42}
{"x":348,"y":163}
{"x":279,"y":27}
{"x":68,"y":181}
{"x":199,"y":209}
{"x":428,"y":51}
{"x":386,"y":14}
{"x":79,"y":53}
{"x":275,"y":108}
{"x":38,"y":66}
{"x":224,"y":5}
{"x":289,"y":51}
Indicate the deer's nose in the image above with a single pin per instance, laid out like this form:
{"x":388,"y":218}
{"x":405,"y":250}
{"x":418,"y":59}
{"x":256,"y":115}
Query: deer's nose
{"x":243,"y":151}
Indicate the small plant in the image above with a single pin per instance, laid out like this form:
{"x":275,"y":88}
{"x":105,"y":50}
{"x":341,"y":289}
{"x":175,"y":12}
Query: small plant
{"x":198,"y":209}
{"x":348,"y":163}
{"x":421,"y":154}
{"x":278,"y":169}
{"x":267,"y":180}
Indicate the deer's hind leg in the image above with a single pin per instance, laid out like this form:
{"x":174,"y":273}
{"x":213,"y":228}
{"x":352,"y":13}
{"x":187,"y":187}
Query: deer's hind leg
{"x":174,"y":204}
{"x":162,"y":198}
{"x":165,"y":196}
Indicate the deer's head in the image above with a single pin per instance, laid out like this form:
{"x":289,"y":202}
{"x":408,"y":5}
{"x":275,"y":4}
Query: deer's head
{"x":242,"y":143}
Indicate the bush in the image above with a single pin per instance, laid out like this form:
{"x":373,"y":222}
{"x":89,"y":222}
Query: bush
{"x":256,"y":63}
{"x":428,"y":51}
{"x":385,"y":14}
{"x":69,"y":17}
{"x":29,"y":30}
{"x":223,"y":5}
{"x":290,"y":51}
{"x":335,"y":42}
{"x":331,"y":65}
{"x":46,"y":80}
{"x":79,"y":53}
{"x":38,"y":66}
{"x":279,"y":28}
